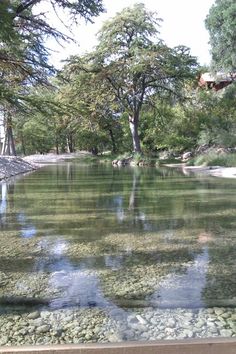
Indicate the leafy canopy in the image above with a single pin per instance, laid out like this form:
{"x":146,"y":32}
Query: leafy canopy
{"x":131,"y":63}
{"x":135,"y":61}
{"x":221,"y":24}
{"x":23,"y":31}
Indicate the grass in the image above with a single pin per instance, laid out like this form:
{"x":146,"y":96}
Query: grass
{"x":88,"y":159}
{"x":214,"y":159}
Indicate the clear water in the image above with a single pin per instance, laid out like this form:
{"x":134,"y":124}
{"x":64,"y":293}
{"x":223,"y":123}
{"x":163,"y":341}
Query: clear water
{"x":96,"y":254}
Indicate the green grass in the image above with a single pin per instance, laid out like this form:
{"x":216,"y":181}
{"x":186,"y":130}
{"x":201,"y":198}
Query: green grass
{"x":214,"y":159}
{"x":88,"y":159}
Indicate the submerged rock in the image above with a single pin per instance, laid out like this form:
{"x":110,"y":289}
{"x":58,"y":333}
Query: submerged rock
{"x":43,"y":329}
{"x":34,"y":315}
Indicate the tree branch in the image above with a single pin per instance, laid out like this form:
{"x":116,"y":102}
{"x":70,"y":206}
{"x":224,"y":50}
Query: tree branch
{"x":24,"y":6}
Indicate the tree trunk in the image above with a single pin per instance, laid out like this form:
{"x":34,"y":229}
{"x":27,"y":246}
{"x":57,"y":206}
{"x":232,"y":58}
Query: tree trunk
{"x":8,"y":147}
{"x":57,"y":146}
{"x":70,"y":144}
{"x":112,"y":141}
{"x":133,"y":125}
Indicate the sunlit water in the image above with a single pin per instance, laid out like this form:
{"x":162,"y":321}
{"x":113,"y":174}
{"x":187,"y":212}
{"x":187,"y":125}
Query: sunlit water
{"x":97,"y":254}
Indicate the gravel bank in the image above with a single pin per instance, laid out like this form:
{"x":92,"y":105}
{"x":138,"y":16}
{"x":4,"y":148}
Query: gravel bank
{"x":53,"y":158}
{"x":13,"y":165}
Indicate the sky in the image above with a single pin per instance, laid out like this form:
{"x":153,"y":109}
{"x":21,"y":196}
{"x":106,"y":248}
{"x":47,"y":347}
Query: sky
{"x":183,"y":24}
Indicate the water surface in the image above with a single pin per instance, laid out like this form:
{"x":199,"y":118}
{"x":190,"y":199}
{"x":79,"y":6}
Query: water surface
{"x":96,"y":254}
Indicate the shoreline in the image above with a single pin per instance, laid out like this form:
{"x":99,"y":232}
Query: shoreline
{"x":214,"y":171}
{"x":11,"y":166}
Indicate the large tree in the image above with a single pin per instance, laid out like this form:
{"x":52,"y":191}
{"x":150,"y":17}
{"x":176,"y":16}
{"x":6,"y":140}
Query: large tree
{"x":23,"y":52}
{"x":133,"y":63}
{"x":221,"y":24}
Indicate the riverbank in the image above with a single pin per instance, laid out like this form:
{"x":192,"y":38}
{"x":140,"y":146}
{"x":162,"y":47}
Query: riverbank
{"x":215,"y":171}
{"x":41,"y":160}
{"x":11,"y":166}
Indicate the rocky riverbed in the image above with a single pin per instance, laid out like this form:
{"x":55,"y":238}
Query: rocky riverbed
{"x":58,"y":287}
{"x":91,"y":325}
{"x":67,"y":316}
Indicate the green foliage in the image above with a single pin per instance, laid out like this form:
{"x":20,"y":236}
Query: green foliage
{"x":131,"y":63}
{"x":125,"y":155}
{"x":217,"y":117}
{"x":23,"y":31}
{"x":23,"y":53}
{"x":132,"y":82}
{"x":137,"y":157}
{"x":36,"y":138}
{"x":95,"y":106}
{"x":169,"y":127}
{"x":221,"y":24}
{"x":96,"y":141}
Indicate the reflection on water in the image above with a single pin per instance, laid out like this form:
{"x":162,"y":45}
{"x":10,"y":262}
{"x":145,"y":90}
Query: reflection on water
{"x":117,"y":240}
{"x":27,"y":230}
{"x":80,"y":288}
{"x":3,"y":201}
{"x":185,"y":290}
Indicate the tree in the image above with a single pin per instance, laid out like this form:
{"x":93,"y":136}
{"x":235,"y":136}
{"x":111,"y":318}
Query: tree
{"x":23,"y":53}
{"x":133,"y":63}
{"x":97,"y":109}
{"x":221,"y":24}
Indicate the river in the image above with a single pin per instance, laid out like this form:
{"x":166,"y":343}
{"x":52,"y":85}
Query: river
{"x":93,"y":253}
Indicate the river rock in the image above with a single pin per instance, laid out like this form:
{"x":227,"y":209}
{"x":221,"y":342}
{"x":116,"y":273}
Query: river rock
{"x":113,"y":338}
{"x":141,"y":320}
{"x":34,"y":315}
{"x":218,"y":311}
{"x":132,"y":319}
{"x":3,"y":279}
{"x":200,"y":324}
{"x":31,"y":329}
{"x":233,"y":317}
{"x":226,"y":333}
{"x":96,"y":330}
{"x":225,"y":315}
{"x":187,"y":333}
{"x":186,"y":155}
{"x":129,"y":335}
{"x":43,"y":329}
{"x":171,"y":323}
{"x":4,"y":340}
{"x":139,"y":327}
